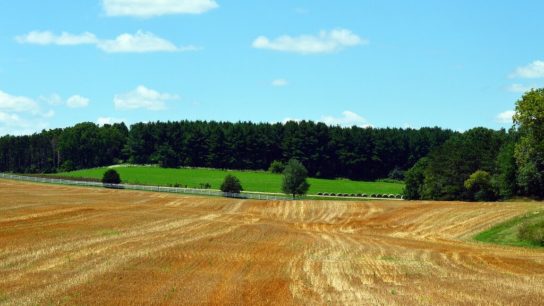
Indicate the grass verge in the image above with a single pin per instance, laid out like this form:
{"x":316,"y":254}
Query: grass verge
{"x":506,"y":233}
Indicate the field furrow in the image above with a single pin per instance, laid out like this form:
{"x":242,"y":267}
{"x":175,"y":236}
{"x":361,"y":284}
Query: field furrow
{"x":86,"y":246}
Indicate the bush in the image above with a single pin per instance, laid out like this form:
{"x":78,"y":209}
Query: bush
{"x":276,"y":167}
{"x":111,"y":177}
{"x":532,"y":232}
{"x":396,"y":174}
{"x":205,"y":186}
{"x":480,"y":187}
{"x":231,"y":184}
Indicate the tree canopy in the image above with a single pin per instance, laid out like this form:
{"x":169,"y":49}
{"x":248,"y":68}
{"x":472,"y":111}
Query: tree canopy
{"x":529,"y":150}
{"x":294,"y":179}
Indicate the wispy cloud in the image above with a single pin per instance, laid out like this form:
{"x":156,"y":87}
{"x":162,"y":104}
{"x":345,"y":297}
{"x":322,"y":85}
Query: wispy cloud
{"x":347,"y":119}
{"x":64,"y":39}
{"x":280,"y":82}
{"x":505,"y":117}
{"x":518,"y":88}
{"x":324,"y":42}
{"x":53,"y":99}
{"x":74,"y":101}
{"x":533,"y":70}
{"x":143,"y":98}
{"x":153,"y":8}
{"x":140,"y":42}
{"x":77,"y":101}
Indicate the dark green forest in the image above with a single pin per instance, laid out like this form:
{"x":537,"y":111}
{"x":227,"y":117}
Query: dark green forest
{"x":480,"y":164}
{"x":486,"y":165}
{"x":328,"y":152}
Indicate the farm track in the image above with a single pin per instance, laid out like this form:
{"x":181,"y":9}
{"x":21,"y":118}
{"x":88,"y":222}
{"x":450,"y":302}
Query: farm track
{"x":69,"y":245}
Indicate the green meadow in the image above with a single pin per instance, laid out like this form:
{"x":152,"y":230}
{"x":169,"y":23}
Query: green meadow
{"x":258,"y":181}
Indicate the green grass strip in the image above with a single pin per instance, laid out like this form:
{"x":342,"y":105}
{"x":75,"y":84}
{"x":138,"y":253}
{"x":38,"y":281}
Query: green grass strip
{"x":258,"y":181}
{"x":506,"y":233}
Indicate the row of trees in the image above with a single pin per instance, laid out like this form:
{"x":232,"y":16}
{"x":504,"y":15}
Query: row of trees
{"x":483,"y":164}
{"x":325,"y":151}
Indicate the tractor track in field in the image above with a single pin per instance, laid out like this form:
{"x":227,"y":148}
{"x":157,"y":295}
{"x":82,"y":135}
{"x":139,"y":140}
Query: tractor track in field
{"x":71,"y":245}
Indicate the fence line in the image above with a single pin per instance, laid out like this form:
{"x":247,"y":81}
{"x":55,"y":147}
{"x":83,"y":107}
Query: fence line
{"x":207,"y":192}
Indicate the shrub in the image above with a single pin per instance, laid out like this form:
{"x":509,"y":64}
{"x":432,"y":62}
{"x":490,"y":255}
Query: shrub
{"x":276,"y":167}
{"x":111,"y":177}
{"x":532,"y":232}
{"x":205,"y":186}
{"x":480,"y":187}
{"x":231,"y":184}
{"x":396,"y":174}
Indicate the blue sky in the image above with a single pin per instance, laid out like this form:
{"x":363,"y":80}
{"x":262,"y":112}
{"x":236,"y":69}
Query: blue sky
{"x":454,"y":64}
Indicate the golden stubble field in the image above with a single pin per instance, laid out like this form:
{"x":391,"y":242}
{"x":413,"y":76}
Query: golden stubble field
{"x":67,"y":245}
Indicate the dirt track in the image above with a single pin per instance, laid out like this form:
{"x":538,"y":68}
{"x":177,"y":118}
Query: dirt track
{"x":70,"y":245}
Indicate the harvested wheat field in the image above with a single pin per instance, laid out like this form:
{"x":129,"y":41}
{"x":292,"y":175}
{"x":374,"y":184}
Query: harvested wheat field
{"x":67,"y":245}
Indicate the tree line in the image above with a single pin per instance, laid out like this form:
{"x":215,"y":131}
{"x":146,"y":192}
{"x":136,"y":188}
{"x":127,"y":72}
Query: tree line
{"x":325,"y":151}
{"x":486,"y":165}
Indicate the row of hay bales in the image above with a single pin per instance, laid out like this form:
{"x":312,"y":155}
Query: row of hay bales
{"x":362,"y":195}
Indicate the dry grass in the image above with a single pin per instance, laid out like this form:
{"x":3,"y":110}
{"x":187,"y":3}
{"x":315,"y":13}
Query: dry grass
{"x":67,"y":245}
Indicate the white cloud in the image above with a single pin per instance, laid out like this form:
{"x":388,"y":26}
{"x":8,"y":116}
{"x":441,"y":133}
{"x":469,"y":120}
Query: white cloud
{"x":13,"y":124}
{"x":77,"y":101}
{"x":21,"y":115}
{"x":280,"y":82}
{"x":108,"y":120}
{"x":17,"y":104}
{"x":140,"y":42}
{"x":324,"y":42}
{"x":505,"y":117}
{"x":152,"y":8}
{"x":143,"y":97}
{"x":519,"y":88}
{"x":532,"y":71}
{"x":347,"y":119}
{"x":64,"y":39}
